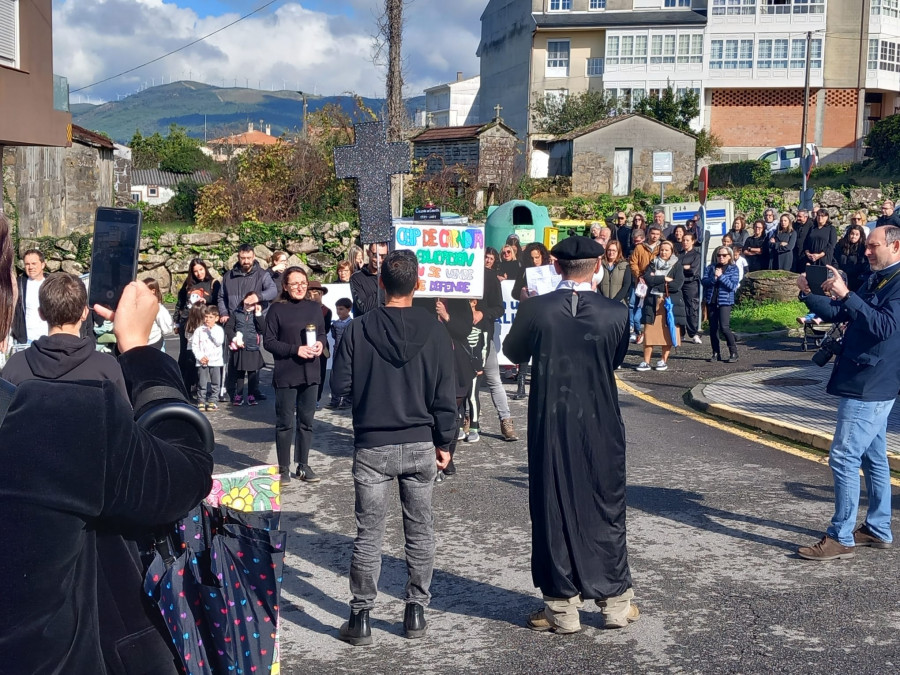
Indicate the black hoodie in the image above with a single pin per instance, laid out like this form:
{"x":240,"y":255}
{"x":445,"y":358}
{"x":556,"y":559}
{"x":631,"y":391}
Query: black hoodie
{"x":397,"y":364}
{"x":64,"y":358}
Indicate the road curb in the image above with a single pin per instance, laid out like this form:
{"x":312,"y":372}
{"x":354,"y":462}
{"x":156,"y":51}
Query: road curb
{"x":696,"y":399}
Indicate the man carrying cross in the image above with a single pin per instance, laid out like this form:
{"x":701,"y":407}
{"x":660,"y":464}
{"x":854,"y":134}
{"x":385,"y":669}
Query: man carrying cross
{"x":576,"y":444}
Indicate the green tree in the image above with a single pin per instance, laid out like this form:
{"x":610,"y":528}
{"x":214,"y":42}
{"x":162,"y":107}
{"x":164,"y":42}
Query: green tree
{"x":562,"y":114}
{"x":670,"y":108}
{"x":175,"y":152}
{"x":884,"y":141}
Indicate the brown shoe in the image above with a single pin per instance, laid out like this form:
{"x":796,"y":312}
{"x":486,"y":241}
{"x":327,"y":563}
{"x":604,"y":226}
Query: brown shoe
{"x":862,"y":536}
{"x":508,"y":430}
{"x":633,"y":615}
{"x":826,"y":549}
{"x":538,"y":621}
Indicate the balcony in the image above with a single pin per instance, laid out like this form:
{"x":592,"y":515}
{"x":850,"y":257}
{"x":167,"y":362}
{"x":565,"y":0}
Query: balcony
{"x":60,"y":93}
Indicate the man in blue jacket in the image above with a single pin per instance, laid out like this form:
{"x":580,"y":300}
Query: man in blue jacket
{"x":867,"y":379}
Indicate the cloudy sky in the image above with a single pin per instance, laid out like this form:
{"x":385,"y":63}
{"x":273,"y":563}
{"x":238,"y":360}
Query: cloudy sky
{"x":312,"y":45}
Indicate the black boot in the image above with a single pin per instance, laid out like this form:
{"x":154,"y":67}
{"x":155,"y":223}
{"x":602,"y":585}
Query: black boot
{"x":733,"y":357}
{"x":357,"y":630}
{"x":520,"y":386}
{"x":414,"y":624}
{"x":715,"y":357}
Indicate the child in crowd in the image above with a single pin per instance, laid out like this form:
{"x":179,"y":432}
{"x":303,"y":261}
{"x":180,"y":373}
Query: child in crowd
{"x":344,"y":272}
{"x":244,"y":330}
{"x":193,"y":322}
{"x":741,"y":262}
{"x":206,"y":344}
{"x":338,"y":326}
{"x":162,"y":325}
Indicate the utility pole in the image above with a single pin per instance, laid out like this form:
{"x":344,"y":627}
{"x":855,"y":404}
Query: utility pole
{"x":861,"y":81}
{"x":803,"y":149}
{"x":305,"y":127}
{"x":394,"y":20}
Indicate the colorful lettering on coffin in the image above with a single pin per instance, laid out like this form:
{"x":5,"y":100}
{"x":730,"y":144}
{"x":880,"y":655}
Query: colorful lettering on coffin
{"x":451,"y":258}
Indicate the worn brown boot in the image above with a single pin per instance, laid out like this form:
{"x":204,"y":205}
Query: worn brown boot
{"x":508,"y":430}
{"x":826,"y":549}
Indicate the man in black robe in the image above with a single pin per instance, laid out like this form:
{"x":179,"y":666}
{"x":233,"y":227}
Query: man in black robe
{"x":576,"y":444}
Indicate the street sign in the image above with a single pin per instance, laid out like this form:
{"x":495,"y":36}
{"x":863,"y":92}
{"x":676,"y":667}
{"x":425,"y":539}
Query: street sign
{"x":662,"y":163}
{"x":806,"y":199}
{"x":703,"y":184}
{"x":662,"y":179}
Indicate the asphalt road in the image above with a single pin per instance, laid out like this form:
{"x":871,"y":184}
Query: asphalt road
{"x":713,"y":522}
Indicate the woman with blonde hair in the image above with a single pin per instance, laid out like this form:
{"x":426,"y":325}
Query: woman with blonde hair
{"x":782,"y":243}
{"x":664,"y":278}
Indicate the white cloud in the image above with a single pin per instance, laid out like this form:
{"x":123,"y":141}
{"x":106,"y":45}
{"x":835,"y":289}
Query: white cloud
{"x":291,"y":47}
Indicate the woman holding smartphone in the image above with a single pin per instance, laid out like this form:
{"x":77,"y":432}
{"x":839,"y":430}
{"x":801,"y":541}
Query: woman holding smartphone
{"x":295,"y":335}
{"x":720,"y":281}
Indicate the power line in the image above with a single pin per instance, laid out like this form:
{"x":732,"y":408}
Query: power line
{"x":175,"y":51}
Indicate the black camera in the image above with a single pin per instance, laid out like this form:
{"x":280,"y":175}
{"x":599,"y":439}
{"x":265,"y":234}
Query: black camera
{"x":830,"y":347}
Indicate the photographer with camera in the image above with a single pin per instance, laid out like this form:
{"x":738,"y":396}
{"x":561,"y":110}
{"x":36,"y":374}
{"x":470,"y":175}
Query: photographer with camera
{"x":77,"y":500}
{"x":866,"y":379}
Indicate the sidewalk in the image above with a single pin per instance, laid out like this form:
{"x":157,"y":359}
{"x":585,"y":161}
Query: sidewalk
{"x":787,"y":402}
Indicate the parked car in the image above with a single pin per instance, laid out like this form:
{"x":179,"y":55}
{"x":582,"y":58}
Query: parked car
{"x":786,"y":157}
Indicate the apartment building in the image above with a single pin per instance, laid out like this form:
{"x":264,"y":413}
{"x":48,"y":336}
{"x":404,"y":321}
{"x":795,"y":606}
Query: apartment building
{"x":453,"y":104}
{"x":745,"y":58}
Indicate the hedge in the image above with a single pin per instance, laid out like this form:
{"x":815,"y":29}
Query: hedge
{"x":740,"y":174}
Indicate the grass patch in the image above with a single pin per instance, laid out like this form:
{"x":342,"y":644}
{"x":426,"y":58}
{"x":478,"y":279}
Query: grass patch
{"x":754,"y":317}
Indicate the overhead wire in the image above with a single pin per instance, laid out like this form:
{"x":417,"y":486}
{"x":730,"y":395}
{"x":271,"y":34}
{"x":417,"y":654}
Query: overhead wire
{"x":175,"y":51}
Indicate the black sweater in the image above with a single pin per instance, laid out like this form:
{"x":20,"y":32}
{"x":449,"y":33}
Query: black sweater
{"x":397,"y":365}
{"x":285,"y":333}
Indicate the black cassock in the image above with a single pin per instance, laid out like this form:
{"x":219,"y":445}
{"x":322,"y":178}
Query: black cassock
{"x":576,"y":441}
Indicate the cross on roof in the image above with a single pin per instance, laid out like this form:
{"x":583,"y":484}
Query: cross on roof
{"x":371,"y":160}
{"x":497,"y":109}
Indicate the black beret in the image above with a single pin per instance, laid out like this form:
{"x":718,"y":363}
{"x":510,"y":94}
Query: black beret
{"x":577,"y":248}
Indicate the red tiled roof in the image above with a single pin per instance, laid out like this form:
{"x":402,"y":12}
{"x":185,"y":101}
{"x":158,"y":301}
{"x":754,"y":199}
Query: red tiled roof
{"x":449,"y":133}
{"x":246,"y":138}
{"x":87,"y":137}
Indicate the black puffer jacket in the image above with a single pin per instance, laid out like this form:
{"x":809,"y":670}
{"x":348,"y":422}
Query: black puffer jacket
{"x":658,"y":282}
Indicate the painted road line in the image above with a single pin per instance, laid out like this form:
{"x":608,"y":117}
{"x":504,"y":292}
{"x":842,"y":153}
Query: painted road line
{"x":731,"y":429}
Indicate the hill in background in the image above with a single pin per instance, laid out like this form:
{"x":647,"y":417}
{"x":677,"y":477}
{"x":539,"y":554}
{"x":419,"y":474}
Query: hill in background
{"x":222,"y":110}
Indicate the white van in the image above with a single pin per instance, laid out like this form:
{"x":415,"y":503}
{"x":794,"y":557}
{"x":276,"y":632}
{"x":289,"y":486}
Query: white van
{"x":786,"y":157}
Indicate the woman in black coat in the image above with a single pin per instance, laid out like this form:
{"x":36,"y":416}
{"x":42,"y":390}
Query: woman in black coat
{"x":534,"y":255}
{"x":664,"y":276}
{"x":296,"y":373}
{"x":850,"y":257}
{"x":781,"y":245}
{"x":756,"y":248}
{"x":198,"y":286}
{"x":818,"y":247}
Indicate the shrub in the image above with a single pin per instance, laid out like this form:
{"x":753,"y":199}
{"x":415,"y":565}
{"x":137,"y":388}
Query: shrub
{"x":884,"y":140}
{"x":739,"y":174}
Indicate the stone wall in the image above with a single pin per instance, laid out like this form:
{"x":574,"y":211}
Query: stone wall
{"x":317,"y":248}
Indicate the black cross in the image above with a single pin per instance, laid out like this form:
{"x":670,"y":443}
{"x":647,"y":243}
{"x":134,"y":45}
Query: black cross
{"x":372,"y":161}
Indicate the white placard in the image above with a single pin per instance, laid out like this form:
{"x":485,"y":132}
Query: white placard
{"x":335,"y":293}
{"x":504,"y":323}
{"x":662,"y":162}
{"x":662,"y":179}
{"x":451,"y":257}
{"x":542,"y":279}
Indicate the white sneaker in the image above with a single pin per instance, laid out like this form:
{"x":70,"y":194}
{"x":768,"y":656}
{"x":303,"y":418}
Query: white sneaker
{"x":661,"y":365}
{"x":643,"y":366}
{"x":633,"y":338}
{"x":473,"y":436}
{"x":697,"y":340}
{"x":461,"y":436}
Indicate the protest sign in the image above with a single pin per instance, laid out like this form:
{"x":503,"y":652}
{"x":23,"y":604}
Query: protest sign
{"x":504,"y":323}
{"x":451,"y":257}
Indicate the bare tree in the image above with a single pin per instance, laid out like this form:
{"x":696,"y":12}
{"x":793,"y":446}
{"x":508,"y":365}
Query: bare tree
{"x":388,"y":43}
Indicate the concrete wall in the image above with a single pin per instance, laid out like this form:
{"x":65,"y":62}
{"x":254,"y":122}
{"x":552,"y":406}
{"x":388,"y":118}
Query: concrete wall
{"x":496,"y":156}
{"x":593,"y":156}
{"x":27,"y":116}
{"x":57,"y":190}
{"x":842,"y":48}
{"x":505,"y":54}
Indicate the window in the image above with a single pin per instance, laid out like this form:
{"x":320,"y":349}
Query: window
{"x":690,"y":48}
{"x":886,"y":7}
{"x":555,"y":95}
{"x":560,"y":5}
{"x":732,"y":7}
{"x":772,"y":54}
{"x":798,"y":54}
{"x":681,"y":91}
{"x":872,"y":62}
{"x":809,"y":6}
{"x":662,"y":48}
{"x":598,"y":4}
{"x":888,"y":57}
{"x":557,"y":58}
{"x":677,"y":3}
{"x":731,"y":54}
{"x":595,"y":67}
{"x":9,"y":33}
{"x":775,"y":7}
{"x":135,"y":196}
{"x":626,"y":49}
{"x":153,"y":191}
{"x":769,"y":157}
{"x":627,"y":96}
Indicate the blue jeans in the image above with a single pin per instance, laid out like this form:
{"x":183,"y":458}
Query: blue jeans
{"x":414,"y":466}
{"x":860,"y":441}
{"x":635,"y":312}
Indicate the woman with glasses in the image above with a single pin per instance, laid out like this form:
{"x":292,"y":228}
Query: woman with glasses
{"x":861,"y":218}
{"x":296,"y":374}
{"x":509,"y":267}
{"x":782,"y":243}
{"x":818,"y":248}
{"x":720,"y":281}
{"x":850,"y":256}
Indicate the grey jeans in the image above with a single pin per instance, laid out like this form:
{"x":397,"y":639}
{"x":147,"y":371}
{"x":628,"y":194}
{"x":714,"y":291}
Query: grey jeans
{"x":414,"y":466}
{"x":495,"y":384}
